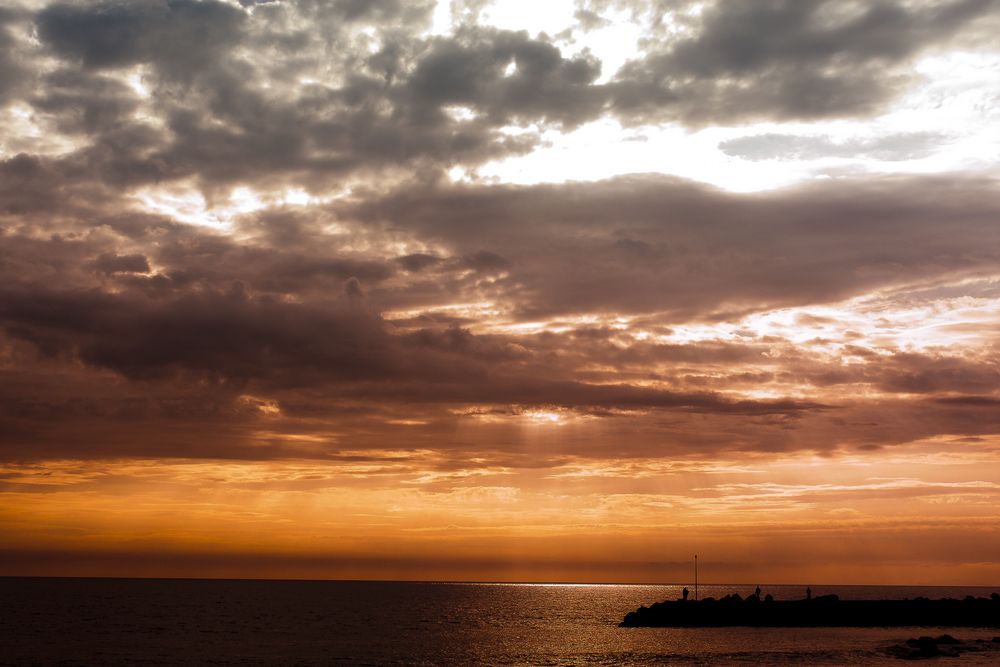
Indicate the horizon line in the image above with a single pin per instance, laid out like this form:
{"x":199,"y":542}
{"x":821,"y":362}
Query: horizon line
{"x":481,"y":582}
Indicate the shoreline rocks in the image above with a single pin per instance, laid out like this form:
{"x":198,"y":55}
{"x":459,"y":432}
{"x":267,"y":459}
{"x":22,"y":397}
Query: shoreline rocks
{"x":942,"y":646}
{"x":822,"y":611}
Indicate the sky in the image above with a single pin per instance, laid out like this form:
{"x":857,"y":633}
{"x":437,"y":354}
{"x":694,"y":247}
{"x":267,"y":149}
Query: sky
{"x":501,"y":291}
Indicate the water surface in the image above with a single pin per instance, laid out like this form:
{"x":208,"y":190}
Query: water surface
{"x":239,"y":622}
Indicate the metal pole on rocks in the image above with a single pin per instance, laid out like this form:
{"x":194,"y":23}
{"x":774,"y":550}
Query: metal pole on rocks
{"x":696,"y":577}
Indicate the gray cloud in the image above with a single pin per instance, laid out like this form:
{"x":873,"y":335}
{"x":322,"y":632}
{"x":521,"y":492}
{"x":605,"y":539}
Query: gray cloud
{"x":112,"y":263}
{"x":81,"y":102}
{"x":335,"y":320}
{"x":187,"y":321}
{"x":283,"y":92}
{"x":310,"y":93}
{"x":239,"y":341}
{"x":787,"y":59}
{"x":640,"y":244}
{"x":471,"y":71}
{"x":178,"y":37}
{"x":14,"y":70}
{"x":902,"y":146}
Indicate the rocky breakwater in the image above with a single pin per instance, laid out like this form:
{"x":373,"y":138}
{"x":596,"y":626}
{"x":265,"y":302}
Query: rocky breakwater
{"x":822,"y":611}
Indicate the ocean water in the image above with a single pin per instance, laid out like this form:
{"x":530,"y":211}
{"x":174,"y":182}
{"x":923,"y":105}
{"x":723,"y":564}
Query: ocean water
{"x":239,"y":622}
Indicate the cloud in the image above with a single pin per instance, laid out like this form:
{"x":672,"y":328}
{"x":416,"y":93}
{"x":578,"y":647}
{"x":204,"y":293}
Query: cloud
{"x":892,"y":147}
{"x":650,"y":244}
{"x":417,"y":261}
{"x":435,"y":307}
{"x":262,"y":279}
{"x":81,"y":102}
{"x":312,"y":94}
{"x":249,"y":96}
{"x":506,"y":76}
{"x":222,"y":335}
{"x":178,"y":37}
{"x":923,"y":374}
{"x":14,"y":71}
{"x":783,"y":59}
{"x":112,"y":263}
{"x":235,"y":341}
{"x":412,"y":301}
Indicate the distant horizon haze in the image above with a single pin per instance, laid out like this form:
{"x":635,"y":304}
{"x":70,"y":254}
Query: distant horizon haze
{"x":277,"y":568}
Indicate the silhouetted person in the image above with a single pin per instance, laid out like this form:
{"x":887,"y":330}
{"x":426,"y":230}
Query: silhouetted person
{"x":756,"y":593}
{"x":685,"y":593}
{"x":809,"y":593}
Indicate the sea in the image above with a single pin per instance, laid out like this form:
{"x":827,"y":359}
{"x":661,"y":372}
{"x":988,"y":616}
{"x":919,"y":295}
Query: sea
{"x":95,"y":622}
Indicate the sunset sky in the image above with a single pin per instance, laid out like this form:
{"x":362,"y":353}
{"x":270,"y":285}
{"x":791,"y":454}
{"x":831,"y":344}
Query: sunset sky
{"x":540,"y":290}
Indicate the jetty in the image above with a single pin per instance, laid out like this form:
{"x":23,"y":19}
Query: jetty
{"x":821,"y":611}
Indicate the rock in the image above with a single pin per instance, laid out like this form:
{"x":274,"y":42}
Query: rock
{"x":823,"y":611}
{"x":929,"y":647}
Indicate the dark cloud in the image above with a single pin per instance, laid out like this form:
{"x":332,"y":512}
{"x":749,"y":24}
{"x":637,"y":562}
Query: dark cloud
{"x":222,"y":338}
{"x":85,"y":103}
{"x":233,"y":119}
{"x":925,"y":374}
{"x":787,"y":59}
{"x":112,"y":263}
{"x":235,"y":340}
{"x":293,"y":92}
{"x":486,"y":262}
{"x":29,"y":185}
{"x":693,"y":252}
{"x":473,"y":71}
{"x":368,"y":10}
{"x":309,"y":93}
{"x":178,"y":37}
{"x":400,"y":300}
{"x":418,"y":261}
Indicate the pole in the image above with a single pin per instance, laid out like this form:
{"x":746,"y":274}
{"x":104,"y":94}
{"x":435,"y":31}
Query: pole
{"x":696,"y":577}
